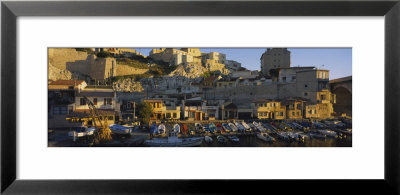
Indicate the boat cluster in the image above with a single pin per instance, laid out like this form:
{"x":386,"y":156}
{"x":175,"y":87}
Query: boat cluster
{"x":267,"y":131}
{"x":83,"y":131}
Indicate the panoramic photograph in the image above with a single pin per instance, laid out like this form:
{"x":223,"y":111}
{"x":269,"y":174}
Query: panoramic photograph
{"x":199,"y":97}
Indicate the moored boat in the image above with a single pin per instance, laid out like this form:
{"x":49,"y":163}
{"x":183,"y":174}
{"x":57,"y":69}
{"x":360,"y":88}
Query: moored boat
{"x":212,"y":127}
{"x":226,"y":127}
{"x":119,"y":129}
{"x":233,"y":138}
{"x":265,"y":137}
{"x":208,"y":139}
{"x":162,"y":129}
{"x":154,"y":129}
{"x":283,"y":135}
{"x":233,"y":127}
{"x":177,"y":128}
{"x":317,"y":135}
{"x":199,"y":127}
{"x":259,"y":127}
{"x":240,"y":127}
{"x":174,"y":141}
{"x":328,"y":133}
{"x":184,"y":129}
{"x":221,"y":139}
{"x":246,"y":126}
{"x":82,"y":131}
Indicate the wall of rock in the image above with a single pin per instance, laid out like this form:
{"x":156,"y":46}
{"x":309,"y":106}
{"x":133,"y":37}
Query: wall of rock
{"x":59,"y":57}
{"x":123,"y":70}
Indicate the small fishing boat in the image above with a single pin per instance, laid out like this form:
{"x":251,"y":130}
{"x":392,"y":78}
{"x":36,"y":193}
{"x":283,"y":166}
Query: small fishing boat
{"x":206,"y":129}
{"x":346,"y":131}
{"x":221,"y":139}
{"x":199,"y":127}
{"x":233,"y":138}
{"x":283,"y":135}
{"x":82,"y":131}
{"x":154,"y":129}
{"x":119,"y":129}
{"x":219,"y":129}
{"x":246,"y":126}
{"x":301,"y":136}
{"x":265,"y":137}
{"x":233,"y":127}
{"x":174,"y":141}
{"x":184,"y":129}
{"x":162,"y":129}
{"x":240,"y":127}
{"x":208,"y":139}
{"x":252,"y":126}
{"x":317,"y":135}
{"x":258,"y":126}
{"x":212,"y":127}
{"x":177,"y":128}
{"x":226,"y":127}
{"x":328,"y":133}
{"x":191,"y":129}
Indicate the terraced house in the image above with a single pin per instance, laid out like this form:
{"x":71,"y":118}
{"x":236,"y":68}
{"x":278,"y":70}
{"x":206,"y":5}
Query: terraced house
{"x":164,"y":109}
{"x":294,"y":108}
{"x":269,"y":109}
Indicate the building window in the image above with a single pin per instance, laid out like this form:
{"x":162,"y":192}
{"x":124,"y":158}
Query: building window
{"x":293,"y":113}
{"x":174,"y":115}
{"x":128,"y":105}
{"x":82,"y":101}
{"x":284,"y":78}
{"x":95,"y":101}
{"x":323,"y":97}
{"x":60,"y":110}
{"x":305,"y":86}
{"x":107,"y":101}
{"x":168,"y":115}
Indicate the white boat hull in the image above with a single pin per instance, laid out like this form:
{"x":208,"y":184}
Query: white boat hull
{"x":184,"y":142}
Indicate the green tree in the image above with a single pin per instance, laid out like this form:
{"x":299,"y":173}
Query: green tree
{"x":206,"y":74}
{"x":145,"y":111}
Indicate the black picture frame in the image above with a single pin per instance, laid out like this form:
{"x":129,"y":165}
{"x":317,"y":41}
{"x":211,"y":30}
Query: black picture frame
{"x":10,"y":10}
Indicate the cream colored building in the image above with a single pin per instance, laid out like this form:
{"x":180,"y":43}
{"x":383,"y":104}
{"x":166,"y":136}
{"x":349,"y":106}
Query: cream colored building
{"x":176,"y":56}
{"x":163,"y":109}
{"x":294,"y":108}
{"x":310,"y":82}
{"x":289,"y":75}
{"x":274,"y":58}
{"x":319,"y":111}
{"x":269,"y":109}
{"x":104,"y":100}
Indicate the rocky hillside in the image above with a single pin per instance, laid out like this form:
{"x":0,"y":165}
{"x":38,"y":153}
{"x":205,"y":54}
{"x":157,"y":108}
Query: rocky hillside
{"x":55,"y":73}
{"x":195,"y":70}
{"x":190,"y":70}
{"x":128,"y":85}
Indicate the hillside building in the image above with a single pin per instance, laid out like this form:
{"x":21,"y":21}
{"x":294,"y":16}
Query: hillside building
{"x":274,"y":58}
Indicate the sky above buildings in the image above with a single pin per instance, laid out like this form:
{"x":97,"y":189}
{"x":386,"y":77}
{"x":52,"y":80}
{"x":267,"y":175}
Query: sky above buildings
{"x":337,"y":60}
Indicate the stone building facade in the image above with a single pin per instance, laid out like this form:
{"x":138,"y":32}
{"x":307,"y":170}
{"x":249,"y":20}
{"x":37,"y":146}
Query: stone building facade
{"x":274,"y":58}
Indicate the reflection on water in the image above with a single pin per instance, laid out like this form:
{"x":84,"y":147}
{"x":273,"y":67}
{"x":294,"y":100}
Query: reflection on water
{"x":253,"y":141}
